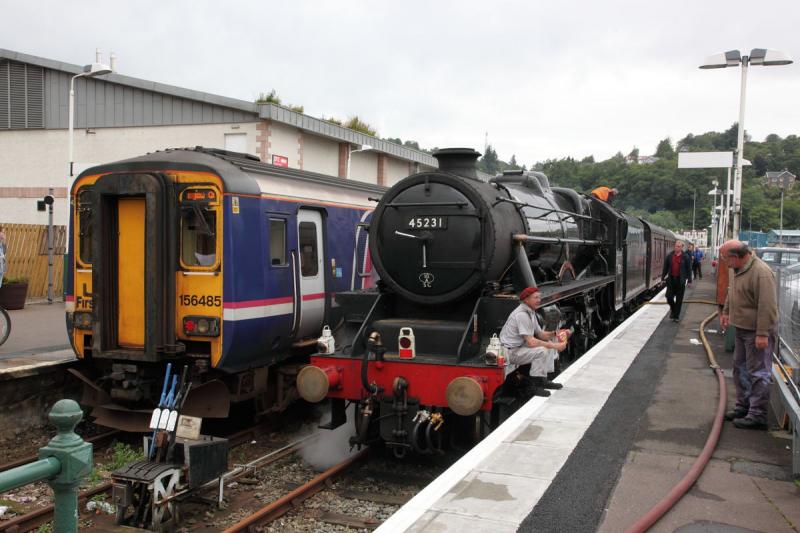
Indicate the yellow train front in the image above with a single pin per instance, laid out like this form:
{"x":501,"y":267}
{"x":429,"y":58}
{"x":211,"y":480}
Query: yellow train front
{"x":209,"y":259}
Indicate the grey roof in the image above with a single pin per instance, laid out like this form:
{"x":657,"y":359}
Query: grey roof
{"x":340,"y":133}
{"x":137,"y":102}
{"x":137,"y":83}
{"x":780,"y":173}
{"x":786,"y":232}
{"x":234,"y":168}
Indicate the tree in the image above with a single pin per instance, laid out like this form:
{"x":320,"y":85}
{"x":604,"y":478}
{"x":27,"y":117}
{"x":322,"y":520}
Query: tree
{"x":489,"y":163}
{"x":634,"y":155}
{"x":664,"y":149}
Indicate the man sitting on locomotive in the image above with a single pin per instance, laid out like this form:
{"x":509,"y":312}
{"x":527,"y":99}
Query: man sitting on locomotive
{"x":527,"y":343}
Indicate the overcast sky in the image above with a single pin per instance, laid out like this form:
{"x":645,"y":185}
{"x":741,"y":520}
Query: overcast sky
{"x":544,"y":79}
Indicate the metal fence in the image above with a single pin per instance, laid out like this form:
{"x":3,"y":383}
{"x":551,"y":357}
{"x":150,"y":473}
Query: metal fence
{"x":786,"y":368}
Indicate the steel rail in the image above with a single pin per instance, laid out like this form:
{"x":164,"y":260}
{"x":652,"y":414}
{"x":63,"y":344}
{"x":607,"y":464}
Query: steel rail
{"x":41,"y":516}
{"x":34,"y":457}
{"x":285,"y":503}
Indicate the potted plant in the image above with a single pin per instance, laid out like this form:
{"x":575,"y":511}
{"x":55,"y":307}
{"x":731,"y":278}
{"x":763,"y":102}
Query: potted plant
{"x":13,"y":292}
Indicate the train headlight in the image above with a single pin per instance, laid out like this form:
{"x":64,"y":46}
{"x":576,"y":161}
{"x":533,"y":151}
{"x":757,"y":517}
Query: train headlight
{"x":405,"y":342}
{"x":201,"y":326}
{"x":465,"y":395}
{"x":82,"y":320}
{"x":313,"y":382}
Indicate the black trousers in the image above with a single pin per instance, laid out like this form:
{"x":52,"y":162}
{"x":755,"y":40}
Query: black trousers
{"x":675,"y":291}
{"x":696,"y":272}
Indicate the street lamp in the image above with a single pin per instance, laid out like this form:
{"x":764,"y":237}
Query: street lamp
{"x":732,"y":58}
{"x":783,"y":180}
{"x":364,"y":148}
{"x":89,"y":71}
{"x":714,"y":221}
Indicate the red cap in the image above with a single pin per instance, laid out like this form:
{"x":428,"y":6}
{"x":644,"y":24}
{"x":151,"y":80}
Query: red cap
{"x":527,"y":292}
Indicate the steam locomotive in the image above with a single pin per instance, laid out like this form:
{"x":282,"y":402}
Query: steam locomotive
{"x":417,"y":357}
{"x":211,"y":259}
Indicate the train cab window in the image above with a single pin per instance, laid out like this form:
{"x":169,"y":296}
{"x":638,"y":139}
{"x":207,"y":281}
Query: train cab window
{"x":277,"y":242}
{"x":198,"y":236}
{"x":85,"y":226}
{"x":308,"y":249}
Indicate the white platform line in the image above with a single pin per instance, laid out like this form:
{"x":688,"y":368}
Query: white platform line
{"x":425,"y":500}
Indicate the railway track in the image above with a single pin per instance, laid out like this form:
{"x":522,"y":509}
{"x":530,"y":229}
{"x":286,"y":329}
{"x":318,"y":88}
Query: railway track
{"x":356,"y":493}
{"x":289,"y":501}
{"x":97,"y":440}
{"x":34,"y":519}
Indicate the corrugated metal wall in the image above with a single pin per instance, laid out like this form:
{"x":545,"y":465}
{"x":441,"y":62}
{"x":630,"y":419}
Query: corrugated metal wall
{"x":99,"y":104}
{"x":21,"y":95}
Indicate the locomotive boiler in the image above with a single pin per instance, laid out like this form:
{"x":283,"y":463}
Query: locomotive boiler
{"x":417,"y":357}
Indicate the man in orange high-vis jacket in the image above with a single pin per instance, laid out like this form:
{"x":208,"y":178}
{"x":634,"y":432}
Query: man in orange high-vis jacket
{"x":604,"y":193}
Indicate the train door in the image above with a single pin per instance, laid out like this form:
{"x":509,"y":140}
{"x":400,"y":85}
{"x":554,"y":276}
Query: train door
{"x":312,"y":275}
{"x":130,"y":272}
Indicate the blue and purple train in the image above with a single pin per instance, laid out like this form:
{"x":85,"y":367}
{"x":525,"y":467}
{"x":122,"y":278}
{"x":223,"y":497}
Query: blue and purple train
{"x":208,"y":258}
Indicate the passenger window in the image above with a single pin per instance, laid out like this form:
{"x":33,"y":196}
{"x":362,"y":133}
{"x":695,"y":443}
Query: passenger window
{"x":85,"y":226}
{"x":277,"y":242}
{"x":308,"y":249}
{"x":198,"y":236}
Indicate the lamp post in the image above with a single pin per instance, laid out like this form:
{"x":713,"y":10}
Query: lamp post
{"x":783,"y":180}
{"x":733,"y":58}
{"x":89,"y":71}
{"x":364,"y":148}
{"x":715,"y":230}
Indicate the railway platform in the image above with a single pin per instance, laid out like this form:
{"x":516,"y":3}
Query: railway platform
{"x":633,"y":415}
{"x":38,"y":338}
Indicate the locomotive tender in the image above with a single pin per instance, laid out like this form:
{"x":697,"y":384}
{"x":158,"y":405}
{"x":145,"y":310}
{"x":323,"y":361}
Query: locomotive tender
{"x":207,"y":258}
{"x":452,"y":252}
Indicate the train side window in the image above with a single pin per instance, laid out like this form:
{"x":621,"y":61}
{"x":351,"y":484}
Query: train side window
{"x":277,"y":242}
{"x":198,"y":236}
{"x":85,"y":226}
{"x":308,"y":249}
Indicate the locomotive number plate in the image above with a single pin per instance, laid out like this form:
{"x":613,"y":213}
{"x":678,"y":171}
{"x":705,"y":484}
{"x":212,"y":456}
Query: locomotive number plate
{"x":427,"y":223}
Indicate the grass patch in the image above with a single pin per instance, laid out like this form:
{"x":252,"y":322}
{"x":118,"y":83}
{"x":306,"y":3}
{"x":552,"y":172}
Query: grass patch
{"x":122,"y":455}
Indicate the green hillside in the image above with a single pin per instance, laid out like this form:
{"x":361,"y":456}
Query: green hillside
{"x":663,"y":193}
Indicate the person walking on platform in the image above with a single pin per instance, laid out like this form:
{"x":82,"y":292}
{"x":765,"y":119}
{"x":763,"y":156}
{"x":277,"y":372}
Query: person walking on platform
{"x":678,"y":273}
{"x":697,"y":263}
{"x":752,"y":307}
{"x":605,"y":194}
{"x":527,"y":343}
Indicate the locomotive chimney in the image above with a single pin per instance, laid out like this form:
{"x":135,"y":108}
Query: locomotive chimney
{"x":459,"y":161}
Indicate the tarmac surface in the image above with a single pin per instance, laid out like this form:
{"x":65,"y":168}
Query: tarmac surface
{"x":38,"y":336}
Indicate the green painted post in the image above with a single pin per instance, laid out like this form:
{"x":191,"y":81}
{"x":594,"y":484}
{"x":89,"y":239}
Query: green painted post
{"x":29,"y":473}
{"x":75,"y":457}
{"x":730,"y":338}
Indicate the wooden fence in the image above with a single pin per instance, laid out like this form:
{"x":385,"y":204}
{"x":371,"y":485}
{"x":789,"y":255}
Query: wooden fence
{"x":26,"y":255}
